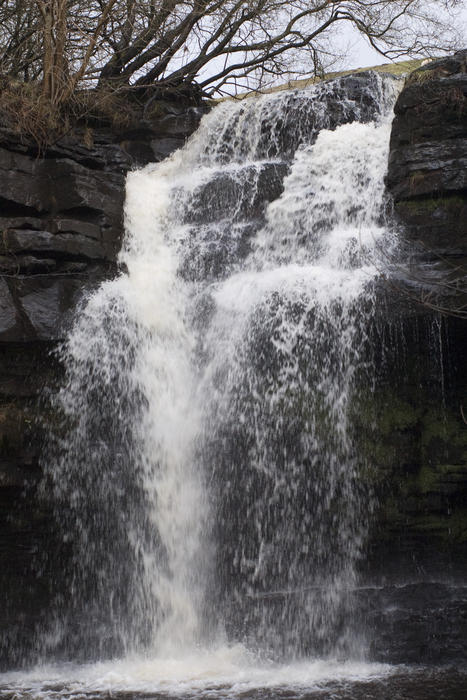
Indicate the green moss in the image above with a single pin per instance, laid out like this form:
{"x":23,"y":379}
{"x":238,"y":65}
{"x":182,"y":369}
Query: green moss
{"x":431,"y":524}
{"x":453,"y":201}
{"x":415,"y":179}
{"x":457,"y":526}
{"x":428,"y":479}
{"x":449,"y":528}
{"x":423,"y":75}
{"x":385,"y":412}
{"x":444,"y":425}
{"x":411,"y":449}
{"x":398,"y":415}
{"x":430,"y":205}
{"x":414,"y":448}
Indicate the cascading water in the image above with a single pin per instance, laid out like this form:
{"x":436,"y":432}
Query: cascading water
{"x":205,"y":471}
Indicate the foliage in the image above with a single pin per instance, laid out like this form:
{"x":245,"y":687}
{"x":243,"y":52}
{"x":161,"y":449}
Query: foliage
{"x":219,"y":45}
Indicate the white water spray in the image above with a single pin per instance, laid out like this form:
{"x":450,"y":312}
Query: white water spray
{"x":208,"y":471}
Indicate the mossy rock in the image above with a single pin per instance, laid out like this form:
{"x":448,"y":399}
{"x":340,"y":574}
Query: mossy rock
{"x":428,"y":206}
{"x":436,"y":479}
{"x":448,"y":528}
{"x":413,"y":443}
{"x":423,"y":75}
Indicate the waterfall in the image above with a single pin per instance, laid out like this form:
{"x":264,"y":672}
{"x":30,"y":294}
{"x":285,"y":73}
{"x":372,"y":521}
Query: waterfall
{"x":204,"y":465}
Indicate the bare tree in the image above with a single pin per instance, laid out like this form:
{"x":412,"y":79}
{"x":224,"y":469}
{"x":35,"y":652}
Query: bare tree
{"x":54,"y":15}
{"x":218,"y":45}
{"x":20,"y":40}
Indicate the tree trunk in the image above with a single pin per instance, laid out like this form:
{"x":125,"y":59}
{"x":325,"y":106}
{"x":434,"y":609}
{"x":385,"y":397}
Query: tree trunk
{"x":54,"y":18}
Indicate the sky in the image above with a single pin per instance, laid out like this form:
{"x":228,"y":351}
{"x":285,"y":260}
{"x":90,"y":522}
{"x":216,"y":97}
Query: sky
{"x":356,"y":51}
{"x":361,"y":54}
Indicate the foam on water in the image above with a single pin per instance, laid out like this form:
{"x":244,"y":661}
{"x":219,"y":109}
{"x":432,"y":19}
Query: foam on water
{"x":222,"y":672}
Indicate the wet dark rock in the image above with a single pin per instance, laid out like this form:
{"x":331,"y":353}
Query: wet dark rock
{"x":250,"y":191}
{"x":7,"y":308}
{"x":419,"y":623}
{"x":422,"y":526}
{"x":428,"y":168}
{"x":204,"y":259}
{"x":411,"y":426}
{"x":61,"y":215}
{"x":427,"y":171}
{"x":61,"y":226}
{"x":163,"y":147}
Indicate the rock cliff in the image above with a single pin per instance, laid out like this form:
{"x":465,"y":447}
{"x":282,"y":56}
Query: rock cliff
{"x":61,"y":219}
{"x":427,"y":177}
{"x":413,"y":426}
{"x":427,"y":173}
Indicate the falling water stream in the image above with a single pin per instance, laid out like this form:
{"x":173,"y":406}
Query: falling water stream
{"x":205,"y":469}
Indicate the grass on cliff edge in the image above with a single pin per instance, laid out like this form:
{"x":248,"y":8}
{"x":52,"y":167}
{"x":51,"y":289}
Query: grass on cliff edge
{"x":23,"y":111}
{"x":400,"y":68}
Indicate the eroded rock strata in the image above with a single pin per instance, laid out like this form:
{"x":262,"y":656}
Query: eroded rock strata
{"x":427,"y":170}
{"x":61,"y":222}
{"x":427,"y":176}
{"x":416,"y":435}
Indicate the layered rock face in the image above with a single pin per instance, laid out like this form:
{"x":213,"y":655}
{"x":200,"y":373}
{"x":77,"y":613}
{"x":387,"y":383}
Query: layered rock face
{"x":416,"y":435}
{"x":427,"y":176}
{"x":427,"y":173}
{"x":61,"y":218}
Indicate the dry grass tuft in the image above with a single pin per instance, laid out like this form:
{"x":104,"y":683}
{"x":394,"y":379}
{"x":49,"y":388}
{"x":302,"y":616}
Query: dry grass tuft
{"x":24,"y":111}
